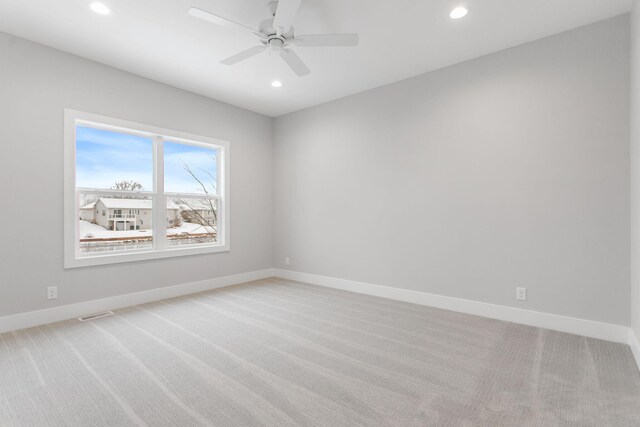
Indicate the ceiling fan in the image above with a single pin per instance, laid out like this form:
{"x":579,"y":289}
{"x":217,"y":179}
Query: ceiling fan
{"x":277,"y":35}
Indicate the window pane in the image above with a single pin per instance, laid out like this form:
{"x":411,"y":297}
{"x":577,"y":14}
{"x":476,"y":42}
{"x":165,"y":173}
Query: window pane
{"x":190,"y":169}
{"x":191,"y":221}
{"x":112,"y":160}
{"x":108,"y":224}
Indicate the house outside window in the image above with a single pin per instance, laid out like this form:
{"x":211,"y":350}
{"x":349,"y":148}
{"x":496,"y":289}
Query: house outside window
{"x":129,"y":171}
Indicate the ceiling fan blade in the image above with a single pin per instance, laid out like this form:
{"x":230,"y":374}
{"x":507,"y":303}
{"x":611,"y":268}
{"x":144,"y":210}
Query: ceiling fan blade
{"x":218,"y":20}
{"x":285,"y":14}
{"x":335,"y":40}
{"x":243,"y":55}
{"x":294,"y":62}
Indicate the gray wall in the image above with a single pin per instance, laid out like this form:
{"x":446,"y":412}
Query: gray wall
{"x":635,"y":169}
{"x":36,"y":84}
{"x":509,"y":170}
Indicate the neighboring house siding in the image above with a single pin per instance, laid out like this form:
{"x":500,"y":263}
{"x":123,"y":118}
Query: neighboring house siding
{"x":142,"y":219}
{"x":88,"y":215}
{"x":174,"y":218}
{"x":199,"y":216}
{"x":102,"y":220}
{"x":106,"y":217}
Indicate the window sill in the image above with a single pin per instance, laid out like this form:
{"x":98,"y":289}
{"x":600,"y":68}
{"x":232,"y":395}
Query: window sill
{"x":118,"y":258}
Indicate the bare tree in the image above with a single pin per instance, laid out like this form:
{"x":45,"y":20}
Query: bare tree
{"x":126,"y":186}
{"x":86,"y":199}
{"x":209,"y":202}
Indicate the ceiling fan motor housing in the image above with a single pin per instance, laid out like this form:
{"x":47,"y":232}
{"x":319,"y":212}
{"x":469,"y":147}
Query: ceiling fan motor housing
{"x":276,"y":42}
{"x":266,"y":28}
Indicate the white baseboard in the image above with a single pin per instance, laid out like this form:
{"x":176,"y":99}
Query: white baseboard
{"x":634,"y":343}
{"x":588,"y":328}
{"x":55,"y":314}
{"x":572,"y":325}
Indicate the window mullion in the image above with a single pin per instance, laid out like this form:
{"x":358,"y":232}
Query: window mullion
{"x":219,"y":168}
{"x":159,"y":199}
{"x":221,"y":186}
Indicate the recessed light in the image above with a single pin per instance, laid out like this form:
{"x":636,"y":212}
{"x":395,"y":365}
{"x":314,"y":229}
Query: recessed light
{"x":100,"y":8}
{"x":458,"y":12}
{"x":276,"y":83}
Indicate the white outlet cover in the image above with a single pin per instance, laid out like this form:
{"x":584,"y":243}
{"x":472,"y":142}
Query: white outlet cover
{"x":521,"y":294}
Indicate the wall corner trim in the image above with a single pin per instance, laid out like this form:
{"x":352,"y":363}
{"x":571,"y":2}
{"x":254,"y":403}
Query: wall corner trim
{"x":634,"y":343}
{"x":572,"y":325}
{"x":30,"y":319}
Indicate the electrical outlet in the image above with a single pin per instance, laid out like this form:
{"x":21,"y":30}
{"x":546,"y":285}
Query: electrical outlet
{"x":521,"y":294}
{"x":287,"y":261}
{"x":52,"y":292}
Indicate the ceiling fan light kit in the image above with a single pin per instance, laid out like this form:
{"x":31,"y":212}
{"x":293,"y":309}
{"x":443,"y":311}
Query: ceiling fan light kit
{"x":277,"y":35}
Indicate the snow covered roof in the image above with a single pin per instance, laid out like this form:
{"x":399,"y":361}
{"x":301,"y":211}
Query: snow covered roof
{"x":89,"y":206}
{"x":132,"y":203}
{"x":195,"y":204}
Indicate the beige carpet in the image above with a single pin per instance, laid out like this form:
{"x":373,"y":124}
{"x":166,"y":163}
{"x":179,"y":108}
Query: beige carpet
{"x":282,"y":354}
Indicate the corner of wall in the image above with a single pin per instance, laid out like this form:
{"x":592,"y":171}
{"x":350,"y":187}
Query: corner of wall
{"x":634,"y":343}
{"x":274,"y":158}
{"x":635,"y":175}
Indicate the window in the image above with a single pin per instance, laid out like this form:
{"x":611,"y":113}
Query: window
{"x":118,"y":172}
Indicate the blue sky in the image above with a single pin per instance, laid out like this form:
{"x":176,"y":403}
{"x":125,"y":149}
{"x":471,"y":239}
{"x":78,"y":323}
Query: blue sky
{"x":104,"y":157}
{"x":201,"y":161}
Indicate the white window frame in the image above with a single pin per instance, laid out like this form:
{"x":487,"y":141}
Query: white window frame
{"x":74,"y":259}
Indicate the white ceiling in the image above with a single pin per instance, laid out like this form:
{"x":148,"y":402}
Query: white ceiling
{"x":398,"y":39}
